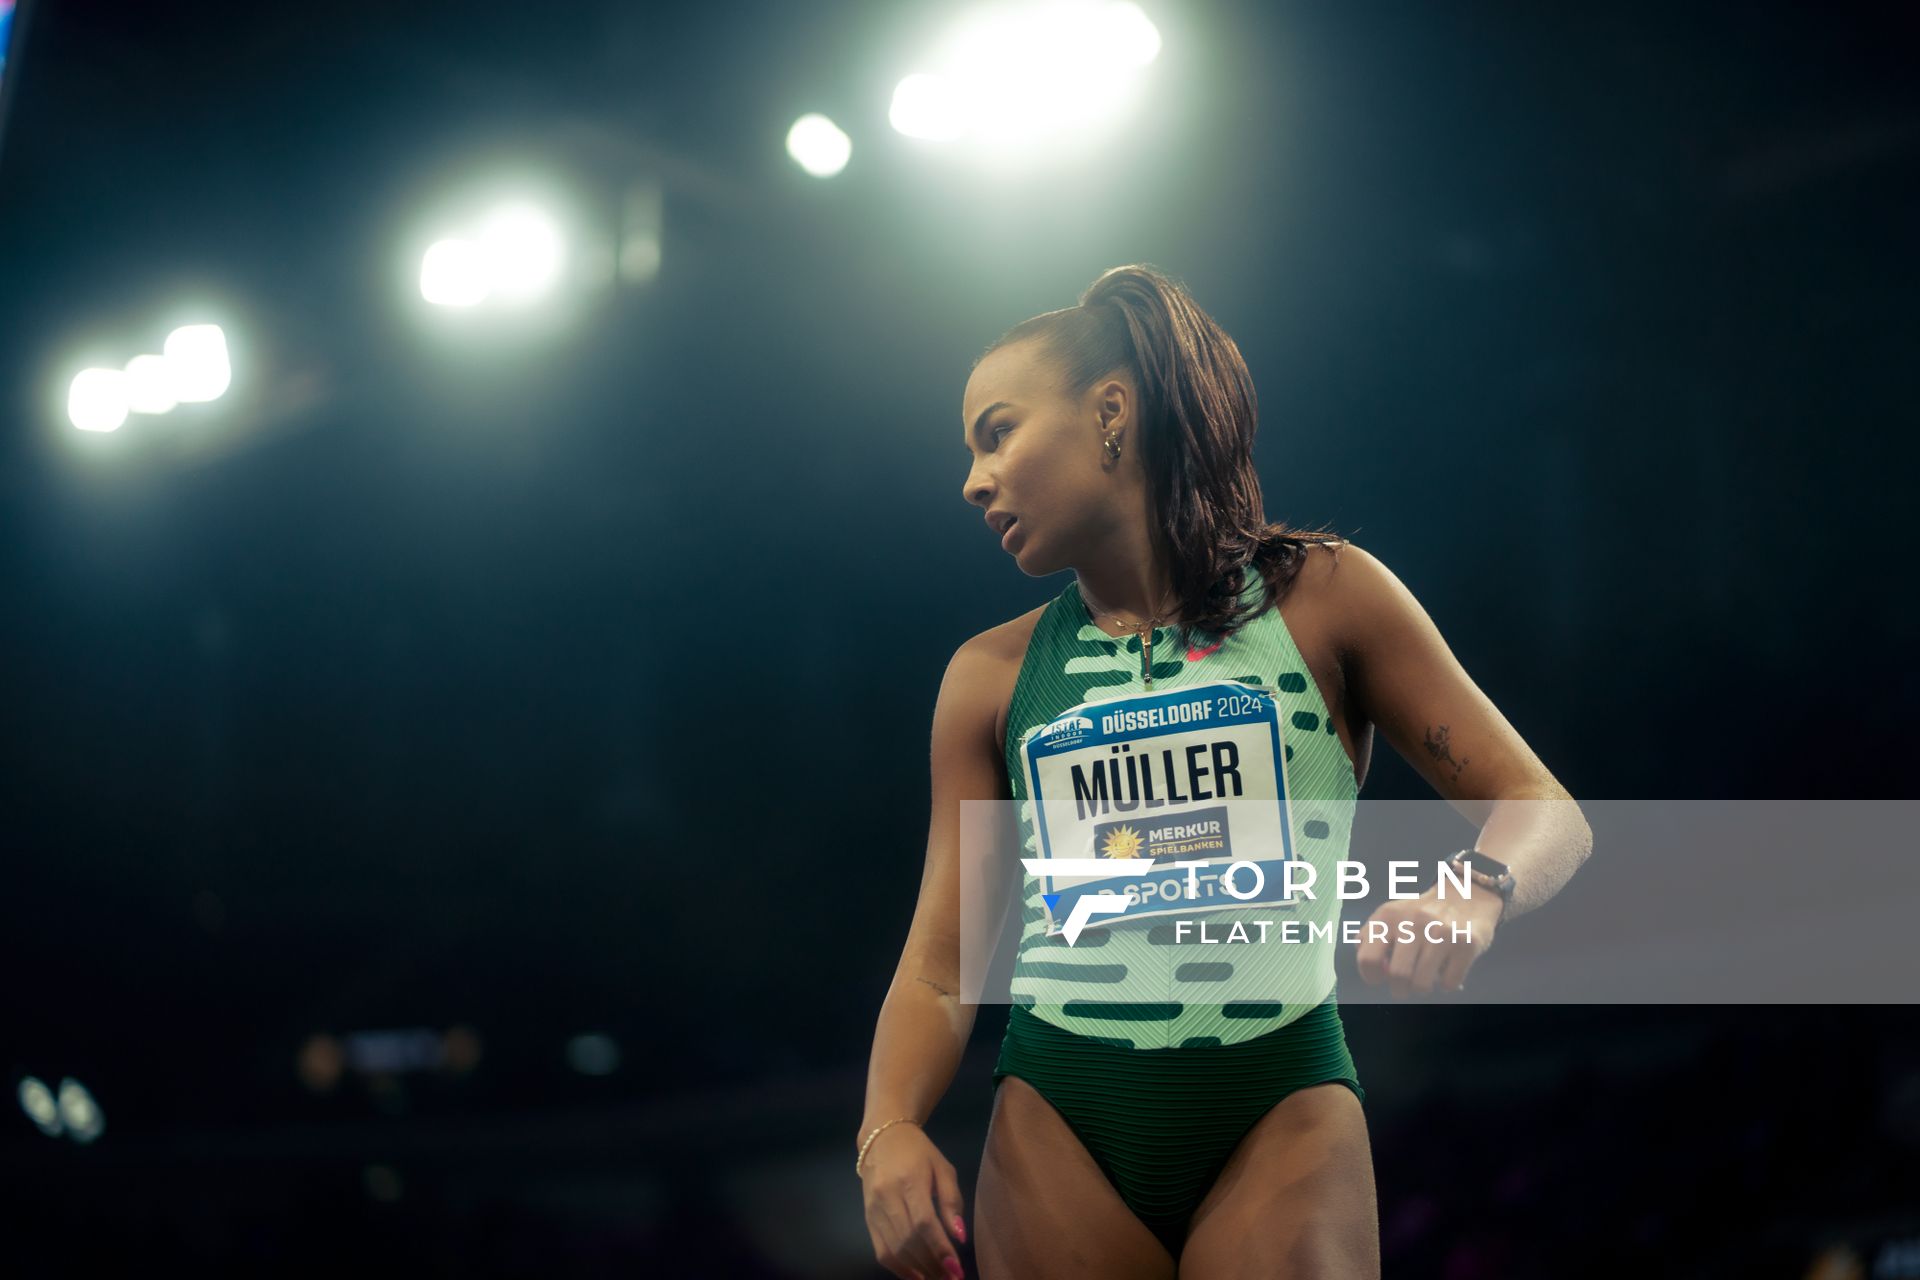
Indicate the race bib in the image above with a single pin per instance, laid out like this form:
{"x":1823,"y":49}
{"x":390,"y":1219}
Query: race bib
{"x":1190,"y":774}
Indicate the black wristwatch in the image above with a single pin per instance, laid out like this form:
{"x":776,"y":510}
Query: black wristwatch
{"x":1489,"y":873}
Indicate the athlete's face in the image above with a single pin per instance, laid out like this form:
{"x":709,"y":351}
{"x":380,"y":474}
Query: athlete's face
{"x":1037,"y":455}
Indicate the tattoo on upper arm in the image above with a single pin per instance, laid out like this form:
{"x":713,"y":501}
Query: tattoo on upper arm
{"x":936,"y":986}
{"x":1441,"y":751}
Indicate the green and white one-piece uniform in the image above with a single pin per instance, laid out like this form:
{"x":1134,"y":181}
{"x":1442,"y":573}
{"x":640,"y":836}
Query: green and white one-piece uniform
{"x":1168,"y":993}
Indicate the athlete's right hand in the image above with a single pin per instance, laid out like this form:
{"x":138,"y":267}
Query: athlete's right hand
{"x":913,"y":1205}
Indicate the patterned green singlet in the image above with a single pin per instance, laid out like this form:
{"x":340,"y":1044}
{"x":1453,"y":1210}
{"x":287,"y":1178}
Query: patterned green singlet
{"x":1070,"y":660}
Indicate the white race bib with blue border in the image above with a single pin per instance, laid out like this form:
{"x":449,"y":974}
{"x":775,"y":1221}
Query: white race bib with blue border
{"x":1172,"y":775}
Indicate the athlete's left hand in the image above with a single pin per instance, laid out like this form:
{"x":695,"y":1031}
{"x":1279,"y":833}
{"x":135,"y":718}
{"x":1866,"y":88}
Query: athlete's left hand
{"x":1427,"y":958}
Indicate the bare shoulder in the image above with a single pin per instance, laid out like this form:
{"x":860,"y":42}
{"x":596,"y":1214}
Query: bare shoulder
{"x":1373,"y":622}
{"x":1311,"y":598}
{"x":985,"y":668}
{"x":1357,"y":592}
{"x":1322,"y":563}
{"x":1008,"y":640}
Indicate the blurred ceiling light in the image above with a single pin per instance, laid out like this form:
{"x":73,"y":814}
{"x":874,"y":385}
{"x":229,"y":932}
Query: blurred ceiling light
{"x":515,"y":254}
{"x":1129,"y":34}
{"x":97,"y":399}
{"x":79,"y":1112}
{"x":38,"y":1102}
{"x":818,"y":145}
{"x":196,"y":357}
{"x":454,"y":274}
{"x":927,"y":106}
{"x":1013,"y":75}
{"x":523,"y":250}
{"x":150,"y":385}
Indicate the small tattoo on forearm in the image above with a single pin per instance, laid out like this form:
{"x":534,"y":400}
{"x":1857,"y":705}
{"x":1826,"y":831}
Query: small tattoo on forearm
{"x":1442,"y":753}
{"x":936,"y":986}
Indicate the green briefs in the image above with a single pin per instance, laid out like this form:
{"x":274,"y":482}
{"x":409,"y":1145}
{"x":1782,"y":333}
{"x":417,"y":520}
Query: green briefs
{"x":1161,"y":1123}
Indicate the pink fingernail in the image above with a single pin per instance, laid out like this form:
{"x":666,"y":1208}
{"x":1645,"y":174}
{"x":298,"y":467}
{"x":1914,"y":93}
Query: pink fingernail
{"x":953,"y":1268}
{"x":959,"y":1228}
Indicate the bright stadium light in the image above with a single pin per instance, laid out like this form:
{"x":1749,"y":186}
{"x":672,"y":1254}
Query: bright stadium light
{"x":928,"y":106}
{"x":150,"y":385}
{"x":79,"y":1112}
{"x":514,"y":251}
{"x":196,"y":356}
{"x":97,"y":399}
{"x":818,"y":145}
{"x":454,"y":274}
{"x":1010,"y":76}
{"x":38,"y":1101}
{"x":1129,"y":34}
{"x":523,"y":250}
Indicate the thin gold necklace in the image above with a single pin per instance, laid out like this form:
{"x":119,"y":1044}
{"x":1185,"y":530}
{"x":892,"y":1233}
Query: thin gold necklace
{"x":1143,"y":628}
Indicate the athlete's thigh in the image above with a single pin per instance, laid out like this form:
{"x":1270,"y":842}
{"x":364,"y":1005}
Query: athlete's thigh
{"x":1295,"y":1200}
{"x":1043,"y":1208}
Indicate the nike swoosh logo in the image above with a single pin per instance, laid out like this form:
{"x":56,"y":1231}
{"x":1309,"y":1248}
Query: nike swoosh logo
{"x":1194,"y":655}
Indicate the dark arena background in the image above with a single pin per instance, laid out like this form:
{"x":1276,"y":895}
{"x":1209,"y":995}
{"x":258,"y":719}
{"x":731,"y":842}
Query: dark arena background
{"x":481,"y":533}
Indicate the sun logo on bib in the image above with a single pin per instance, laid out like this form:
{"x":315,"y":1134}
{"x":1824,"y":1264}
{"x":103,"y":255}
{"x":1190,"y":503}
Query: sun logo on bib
{"x":1122,"y":842}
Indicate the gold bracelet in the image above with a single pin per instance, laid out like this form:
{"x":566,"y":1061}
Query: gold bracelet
{"x":861,"y":1158}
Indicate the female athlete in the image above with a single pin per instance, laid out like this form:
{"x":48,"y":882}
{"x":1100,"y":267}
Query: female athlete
{"x":1132,"y":1138}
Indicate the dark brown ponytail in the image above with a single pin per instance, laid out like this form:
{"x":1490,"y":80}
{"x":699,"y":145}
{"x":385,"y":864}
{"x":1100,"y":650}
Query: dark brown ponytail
{"x":1198,"y":415}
